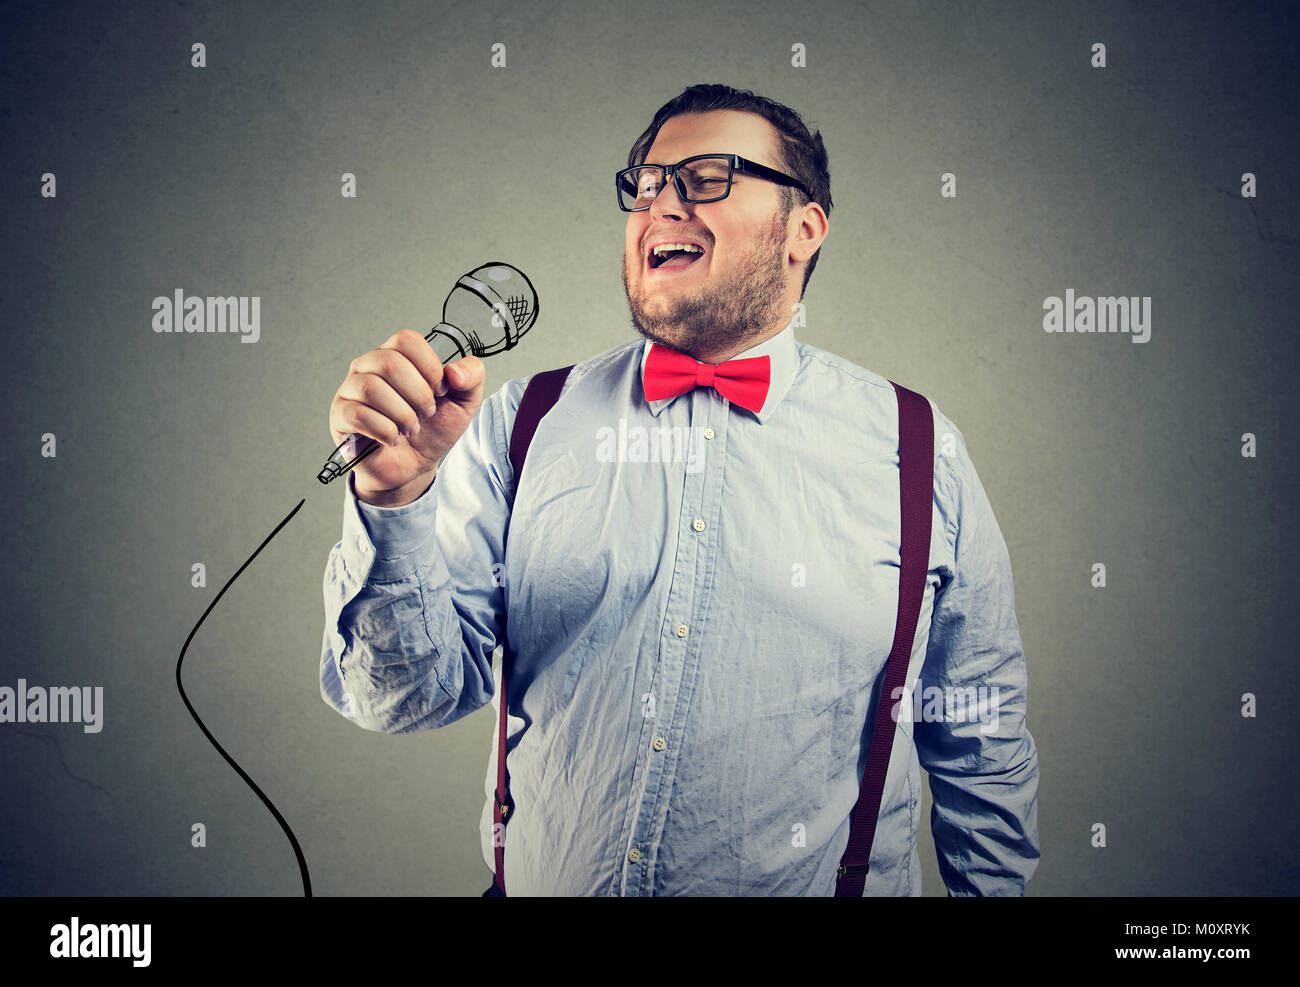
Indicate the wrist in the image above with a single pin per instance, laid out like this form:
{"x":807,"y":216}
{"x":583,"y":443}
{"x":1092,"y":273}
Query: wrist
{"x":407,"y":493}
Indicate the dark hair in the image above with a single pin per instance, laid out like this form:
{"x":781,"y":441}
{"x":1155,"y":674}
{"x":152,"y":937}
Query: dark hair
{"x":802,"y":154}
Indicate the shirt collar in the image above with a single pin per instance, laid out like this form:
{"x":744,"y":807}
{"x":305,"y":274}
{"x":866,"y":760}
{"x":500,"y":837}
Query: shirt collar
{"x":784,"y":355}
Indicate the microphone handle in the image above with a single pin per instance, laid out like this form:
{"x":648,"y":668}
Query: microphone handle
{"x":450,"y":345}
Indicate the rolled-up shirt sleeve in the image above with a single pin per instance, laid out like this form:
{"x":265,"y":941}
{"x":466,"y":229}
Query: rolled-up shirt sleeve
{"x":983,"y":768}
{"x":414,"y":603}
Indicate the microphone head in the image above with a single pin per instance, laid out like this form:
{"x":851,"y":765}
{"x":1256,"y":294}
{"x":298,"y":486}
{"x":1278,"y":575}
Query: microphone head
{"x":493,"y":306}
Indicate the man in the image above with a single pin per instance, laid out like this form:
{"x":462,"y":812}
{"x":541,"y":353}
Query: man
{"x":698,"y":591}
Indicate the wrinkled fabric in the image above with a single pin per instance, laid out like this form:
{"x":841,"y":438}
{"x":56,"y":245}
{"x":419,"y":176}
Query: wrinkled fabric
{"x":698,"y":600}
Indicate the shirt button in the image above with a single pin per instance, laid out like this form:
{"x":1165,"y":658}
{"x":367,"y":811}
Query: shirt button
{"x":634,"y":855}
{"x":660,"y":743}
{"x":698,"y":524}
{"x":682,"y":630}
{"x":708,"y":433}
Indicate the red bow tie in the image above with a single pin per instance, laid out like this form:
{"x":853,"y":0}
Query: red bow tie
{"x":669,"y":373}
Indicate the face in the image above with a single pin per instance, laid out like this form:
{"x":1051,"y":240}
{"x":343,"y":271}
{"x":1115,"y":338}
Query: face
{"x":738,"y":291}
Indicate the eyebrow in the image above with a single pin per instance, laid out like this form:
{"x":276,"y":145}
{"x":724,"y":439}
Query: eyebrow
{"x":736,"y":172}
{"x":679,"y":160}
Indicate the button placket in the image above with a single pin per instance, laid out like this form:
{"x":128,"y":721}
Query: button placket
{"x":654,"y":774}
{"x":686,"y":608}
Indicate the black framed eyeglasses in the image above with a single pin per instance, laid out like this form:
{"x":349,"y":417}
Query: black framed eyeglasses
{"x":700,"y":178}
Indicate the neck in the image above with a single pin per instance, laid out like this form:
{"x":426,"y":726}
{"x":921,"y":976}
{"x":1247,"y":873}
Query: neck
{"x":716,"y":356}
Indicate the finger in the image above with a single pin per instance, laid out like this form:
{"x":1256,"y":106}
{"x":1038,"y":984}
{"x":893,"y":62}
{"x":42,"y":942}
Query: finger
{"x":423,"y":359}
{"x":350,"y":418}
{"x":464,"y":377}
{"x":406,"y":380}
{"x":373,"y":391}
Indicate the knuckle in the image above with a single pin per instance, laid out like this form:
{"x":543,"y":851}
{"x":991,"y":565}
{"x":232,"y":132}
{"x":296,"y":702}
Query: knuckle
{"x":366,"y":386}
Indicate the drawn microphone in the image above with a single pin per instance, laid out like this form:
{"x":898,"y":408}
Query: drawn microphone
{"x":486,"y":313}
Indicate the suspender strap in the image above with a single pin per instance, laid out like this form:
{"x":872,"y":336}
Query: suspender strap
{"x":540,"y":395}
{"x":916,"y":491}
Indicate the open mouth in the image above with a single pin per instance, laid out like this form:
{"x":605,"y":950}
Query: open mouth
{"x":673,"y":258}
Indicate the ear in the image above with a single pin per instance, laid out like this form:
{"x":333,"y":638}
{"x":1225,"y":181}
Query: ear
{"x":812,"y":229}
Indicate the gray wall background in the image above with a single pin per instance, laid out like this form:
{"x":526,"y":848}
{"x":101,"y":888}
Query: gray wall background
{"x":225,"y":180}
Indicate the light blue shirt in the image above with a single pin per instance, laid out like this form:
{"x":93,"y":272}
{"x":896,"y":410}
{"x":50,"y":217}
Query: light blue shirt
{"x":700,"y":599}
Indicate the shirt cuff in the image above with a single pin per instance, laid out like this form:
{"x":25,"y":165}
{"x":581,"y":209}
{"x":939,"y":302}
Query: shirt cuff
{"x":394,"y":537}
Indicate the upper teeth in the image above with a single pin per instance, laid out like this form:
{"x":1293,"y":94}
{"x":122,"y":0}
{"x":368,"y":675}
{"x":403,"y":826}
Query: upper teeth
{"x":660,"y":249}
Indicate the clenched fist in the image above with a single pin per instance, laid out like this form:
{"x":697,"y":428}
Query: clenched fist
{"x":403,"y":396}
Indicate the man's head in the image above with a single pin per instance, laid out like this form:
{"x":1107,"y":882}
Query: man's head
{"x":760,"y":243}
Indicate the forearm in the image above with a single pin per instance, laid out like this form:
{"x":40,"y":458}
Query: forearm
{"x":985,"y":825}
{"x":979,"y":753}
{"x":398,"y":653}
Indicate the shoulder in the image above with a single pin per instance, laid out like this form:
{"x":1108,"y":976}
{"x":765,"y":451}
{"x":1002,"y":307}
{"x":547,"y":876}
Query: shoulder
{"x":499,"y":411}
{"x":952,"y":467}
{"x":874,"y":387}
{"x":818,"y":362}
{"x":615,"y":359}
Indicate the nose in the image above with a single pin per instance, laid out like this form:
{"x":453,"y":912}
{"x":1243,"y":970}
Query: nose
{"x":668,"y":204}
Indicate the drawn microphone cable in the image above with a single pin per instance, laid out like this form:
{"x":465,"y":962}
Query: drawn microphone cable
{"x":293,"y":840}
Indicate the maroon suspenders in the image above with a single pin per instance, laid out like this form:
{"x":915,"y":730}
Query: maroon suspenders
{"x":540,"y":395}
{"x":916,"y":490}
